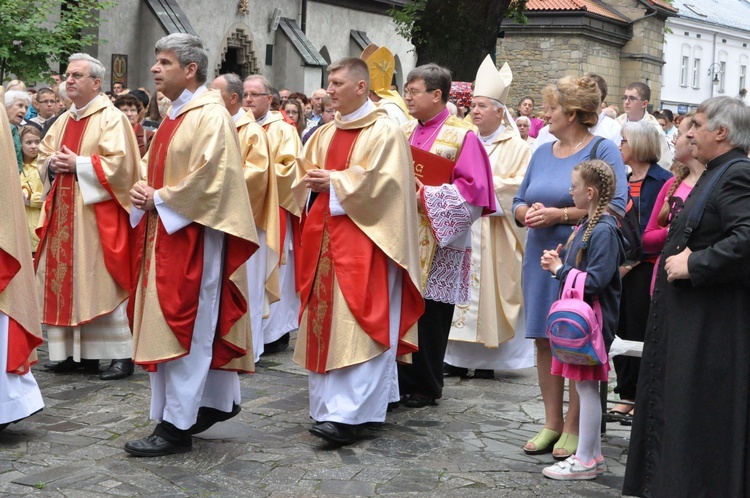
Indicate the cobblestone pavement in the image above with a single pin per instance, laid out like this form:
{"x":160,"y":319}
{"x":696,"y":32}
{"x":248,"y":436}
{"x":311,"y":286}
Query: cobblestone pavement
{"x":469,"y":445}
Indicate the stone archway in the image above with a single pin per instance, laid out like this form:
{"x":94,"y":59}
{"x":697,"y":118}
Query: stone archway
{"x":238,"y":53}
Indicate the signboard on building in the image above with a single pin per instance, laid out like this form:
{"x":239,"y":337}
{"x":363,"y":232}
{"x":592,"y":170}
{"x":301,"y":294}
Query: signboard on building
{"x":120,"y":69}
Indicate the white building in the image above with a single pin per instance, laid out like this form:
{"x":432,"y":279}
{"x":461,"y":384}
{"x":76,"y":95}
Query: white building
{"x":289,"y":41}
{"x":707,"y":52}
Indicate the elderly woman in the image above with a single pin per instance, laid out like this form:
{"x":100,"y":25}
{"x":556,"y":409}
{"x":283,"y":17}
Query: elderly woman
{"x":16,"y":105}
{"x":524,"y":125}
{"x":640,"y":149}
{"x":544,"y":205}
{"x":526,"y":108}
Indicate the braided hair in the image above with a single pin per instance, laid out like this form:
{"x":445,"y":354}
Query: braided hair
{"x":681,"y":172}
{"x":599,"y":175}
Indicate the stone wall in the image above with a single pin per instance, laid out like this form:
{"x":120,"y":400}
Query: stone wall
{"x":537,"y":61}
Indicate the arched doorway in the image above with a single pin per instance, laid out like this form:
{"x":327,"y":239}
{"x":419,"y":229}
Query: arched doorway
{"x":238,"y":53}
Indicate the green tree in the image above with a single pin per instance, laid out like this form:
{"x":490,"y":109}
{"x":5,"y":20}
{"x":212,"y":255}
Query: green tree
{"x":36,"y":33}
{"x":457,"y":34}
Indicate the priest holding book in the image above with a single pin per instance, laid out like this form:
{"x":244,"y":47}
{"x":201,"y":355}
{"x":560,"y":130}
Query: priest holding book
{"x":448,"y":205}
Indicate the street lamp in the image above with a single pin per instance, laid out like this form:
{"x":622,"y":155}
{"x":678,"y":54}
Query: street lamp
{"x":711,"y":71}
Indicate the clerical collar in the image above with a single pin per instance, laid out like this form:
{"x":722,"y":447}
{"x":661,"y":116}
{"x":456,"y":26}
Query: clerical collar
{"x":493,"y":136}
{"x":77,"y":113}
{"x":725,"y":158}
{"x":261,"y":120}
{"x":439,"y":118}
{"x":183,"y":99}
{"x":239,"y":114}
{"x":366,"y":108}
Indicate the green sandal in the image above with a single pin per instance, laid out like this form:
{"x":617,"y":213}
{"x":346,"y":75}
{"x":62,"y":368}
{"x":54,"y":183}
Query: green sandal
{"x":567,"y":442}
{"x":542,"y":442}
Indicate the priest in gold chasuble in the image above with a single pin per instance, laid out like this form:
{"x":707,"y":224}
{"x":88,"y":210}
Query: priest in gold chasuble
{"x":88,"y":161}
{"x":20,"y":331}
{"x":285,"y":145}
{"x":488,"y":331}
{"x":359,"y":276}
{"x":263,"y":266}
{"x":195,"y":232}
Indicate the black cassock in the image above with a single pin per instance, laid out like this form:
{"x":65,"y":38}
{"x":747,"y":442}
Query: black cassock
{"x":691,"y":432}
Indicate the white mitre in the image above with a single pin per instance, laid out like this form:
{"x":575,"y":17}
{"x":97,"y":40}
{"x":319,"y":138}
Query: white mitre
{"x":492,"y":83}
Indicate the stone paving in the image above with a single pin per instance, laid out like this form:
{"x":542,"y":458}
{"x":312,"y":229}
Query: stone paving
{"x":469,"y":445}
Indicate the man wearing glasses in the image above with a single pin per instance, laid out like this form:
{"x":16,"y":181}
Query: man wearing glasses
{"x":285,"y":146}
{"x":447,"y":209}
{"x":46,"y":104}
{"x":635,"y":102}
{"x":88,"y":161}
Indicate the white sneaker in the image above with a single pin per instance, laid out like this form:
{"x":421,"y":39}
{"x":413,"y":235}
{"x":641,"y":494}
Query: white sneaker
{"x":601,"y":465}
{"x":570,"y":470}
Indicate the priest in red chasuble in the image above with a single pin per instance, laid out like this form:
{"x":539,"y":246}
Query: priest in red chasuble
{"x":360,"y":291}
{"x":88,"y":161}
{"x":195,"y":232}
{"x":20,"y":331}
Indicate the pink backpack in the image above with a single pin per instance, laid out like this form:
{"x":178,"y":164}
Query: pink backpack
{"x":573,"y":328}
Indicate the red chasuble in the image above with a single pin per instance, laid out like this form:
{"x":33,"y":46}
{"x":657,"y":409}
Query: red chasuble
{"x":111,"y":221}
{"x":21,"y":342}
{"x":335,"y":244}
{"x":179,"y":266}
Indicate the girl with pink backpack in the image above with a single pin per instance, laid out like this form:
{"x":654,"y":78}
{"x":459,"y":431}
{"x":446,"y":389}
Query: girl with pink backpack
{"x":595,"y":247}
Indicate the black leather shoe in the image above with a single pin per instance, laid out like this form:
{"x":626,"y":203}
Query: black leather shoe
{"x":392,"y":406}
{"x":451,"y":371}
{"x":69,"y":365}
{"x":484,"y":374}
{"x":3,"y":426}
{"x":336,"y":432}
{"x":277,"y":346}
{"x":118,"y":369}
{"x":155,"y":446}
{"x":418,"y":401}
{"x":210,"y":416}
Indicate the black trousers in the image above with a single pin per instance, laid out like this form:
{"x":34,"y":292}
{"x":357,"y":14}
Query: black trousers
{"x":634,"y":306}
{"x":425,"y":375}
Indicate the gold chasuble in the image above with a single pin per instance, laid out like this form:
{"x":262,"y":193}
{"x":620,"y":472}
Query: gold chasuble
{"x":496,"y":301}
{"x":260,"y":179}
{"x":344,"y":315}
{"x":285,"y":145}
{"x":83,"y":258}
{"x":447,"y":145}
{"x":17,"y":288}
{"x":194,"y":162}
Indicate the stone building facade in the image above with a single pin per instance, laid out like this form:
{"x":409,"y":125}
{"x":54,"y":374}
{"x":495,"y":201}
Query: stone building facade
{"x":621,"y":40}
{"x":289,"y":41}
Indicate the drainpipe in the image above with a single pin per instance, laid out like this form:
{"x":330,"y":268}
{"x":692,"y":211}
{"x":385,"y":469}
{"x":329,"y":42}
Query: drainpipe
{"x":303,"y":21}
{"x":713,"y":61}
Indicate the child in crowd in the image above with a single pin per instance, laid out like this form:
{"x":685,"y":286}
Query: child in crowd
{"x":595,"y":247}
{"x":31,"y":184}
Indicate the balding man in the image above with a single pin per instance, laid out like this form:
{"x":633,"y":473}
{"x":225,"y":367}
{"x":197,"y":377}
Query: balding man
{"x":285,"y":146}
{"x":262,"y":268}
{"x":356,"y":311}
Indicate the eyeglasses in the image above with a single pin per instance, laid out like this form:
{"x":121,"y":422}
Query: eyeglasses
{"x":629,"y":98}
{"x":255,"y":95}
{"x":410,"y":92}
{"x":77,"y":76}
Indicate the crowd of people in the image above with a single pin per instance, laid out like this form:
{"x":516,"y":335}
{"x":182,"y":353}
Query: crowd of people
{"x":191,"y":229}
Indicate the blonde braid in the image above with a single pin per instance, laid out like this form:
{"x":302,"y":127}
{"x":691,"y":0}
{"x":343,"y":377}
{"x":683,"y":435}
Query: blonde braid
{"x":598,"y":174}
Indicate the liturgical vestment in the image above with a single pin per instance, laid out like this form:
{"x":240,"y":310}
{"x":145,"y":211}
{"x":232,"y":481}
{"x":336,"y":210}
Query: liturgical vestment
{"x":83,"y":257}
{"x":488,"y":331}
{"x":197,"y":240}
{"x":20,"y":331}
{"x":360,"y":292}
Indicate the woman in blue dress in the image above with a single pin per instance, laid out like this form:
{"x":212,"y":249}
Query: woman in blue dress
{"x":544,"y":205}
